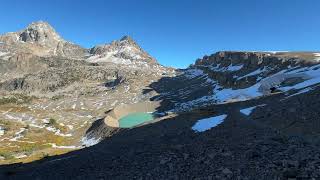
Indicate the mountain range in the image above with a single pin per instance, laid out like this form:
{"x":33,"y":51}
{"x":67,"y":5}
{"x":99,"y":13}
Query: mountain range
{"x":230,"y":115}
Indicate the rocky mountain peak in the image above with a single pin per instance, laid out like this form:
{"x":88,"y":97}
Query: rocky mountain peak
{"x":41,"y":39}
{"x":37,"y":33}
{"x":123,"y":50}
{"x":40,"y":32}
{"x":127,"y":38}
{"x":126,"y":41}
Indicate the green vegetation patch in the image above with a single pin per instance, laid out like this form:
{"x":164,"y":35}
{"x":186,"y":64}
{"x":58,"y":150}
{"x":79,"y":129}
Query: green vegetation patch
{"x":16,"y":99}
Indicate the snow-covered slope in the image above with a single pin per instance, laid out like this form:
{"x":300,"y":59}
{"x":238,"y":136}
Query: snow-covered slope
{"x":226,"y":77}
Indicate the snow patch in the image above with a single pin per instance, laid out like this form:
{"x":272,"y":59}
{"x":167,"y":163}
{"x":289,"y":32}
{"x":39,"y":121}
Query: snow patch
{"x":317,"y":56}
{"x":53,"y":145}
{"x":3,"y":53}
{"x":1,"y":131}
{"x":248,"y":111}
{"x":313,"y":74}
{"x":208,"y":123}
{"x":225,"y":95}
{"x":57,"y":132}
{"x":89,"y":141}
{"x":20,"y":156}
{"x":18,"y":135}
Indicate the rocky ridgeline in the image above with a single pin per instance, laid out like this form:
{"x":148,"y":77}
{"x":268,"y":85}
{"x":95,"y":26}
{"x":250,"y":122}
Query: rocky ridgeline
{"x":243,"y":69}
{"x":40,"y":39}
{"x":37,"y":59}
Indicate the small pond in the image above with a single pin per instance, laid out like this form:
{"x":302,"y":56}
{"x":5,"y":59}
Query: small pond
{"x":134,"y":119}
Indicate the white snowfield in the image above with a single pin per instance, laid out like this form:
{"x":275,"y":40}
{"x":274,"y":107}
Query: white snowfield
{"x":208,"y":123}
{"x":277,"y":79}
{"x":87,"y":142}
{"x":309,"y":76}
{"x":248,"y":111}
{"x":108,"y":58}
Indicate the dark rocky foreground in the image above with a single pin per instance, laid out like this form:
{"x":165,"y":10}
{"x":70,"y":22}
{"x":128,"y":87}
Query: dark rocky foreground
{"x":277,"y":141}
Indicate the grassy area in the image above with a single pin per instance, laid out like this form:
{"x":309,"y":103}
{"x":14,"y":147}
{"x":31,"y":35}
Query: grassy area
{"x":35,"y":141}
{"x":16,"y":99}
{"x":34,"y":144}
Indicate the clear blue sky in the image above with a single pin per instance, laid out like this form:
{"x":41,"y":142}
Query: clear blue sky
{"x":176,"y":32}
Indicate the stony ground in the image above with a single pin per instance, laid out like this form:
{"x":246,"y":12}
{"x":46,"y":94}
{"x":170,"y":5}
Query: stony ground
{"x":242,"y":147}
{"x":63,"y":120}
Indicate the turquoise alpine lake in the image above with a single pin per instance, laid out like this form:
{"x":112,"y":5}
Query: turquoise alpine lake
{"x":134,"y":119}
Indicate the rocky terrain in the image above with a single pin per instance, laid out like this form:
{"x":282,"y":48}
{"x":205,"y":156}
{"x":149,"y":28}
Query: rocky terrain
{"x":231,"y":115}
{"x":51,"y":87}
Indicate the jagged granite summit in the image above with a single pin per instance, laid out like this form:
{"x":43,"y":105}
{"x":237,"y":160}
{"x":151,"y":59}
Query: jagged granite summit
{"x":39,"y":38}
